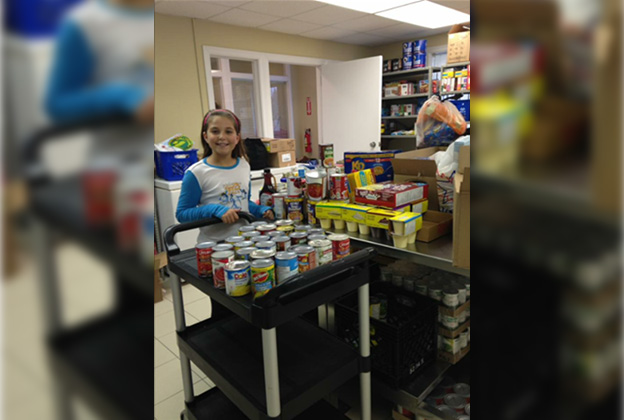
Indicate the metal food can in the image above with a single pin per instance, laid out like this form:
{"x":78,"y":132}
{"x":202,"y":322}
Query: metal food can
{"x":338,"y":187}
{"x":327,"y":154}
{"x":237,"y":278}
{"x":303,"y":228}
{"x":266,"y":228}
{"x":266,"y":245}
{"x":243,"y":244}
{"x":437,"y":395}
{"x":341,"y":245}
{"x":279,"y":205}
{"x":450,"y":297}
{"x":447,"y":410}
{"x":463,"y":390}
{"x":222,"y":247}
{"x":306,"y":255}
{"x":420,"y":287}
{"x":463,"y":417}
{"x":316,"y":185}
{"x":316,"y":231}
{"x":286,"y":266}
{"x":282,"y":243}
{"x":463,"y":340}
{"x":449,"y":321}
{"x":456,"y":402}
{"x":435,"y":291}
{"x":258,"y":223}
{"x":219,"y":260}
{"x":375,"y":308}
{"x":467,"y":409}
{"x":203,"y":252}
{"x":244,"y":254}
{"x":247,"y":228}
{"x":251,"y":235}
{"x":405,"y":412}
{"x":324,"y":252}
{"x":262,"y":254}
{"x":262,"y":276}
{"x":233,"y":240}
{"x":294,"y":186}
{"x":294,"y":209}
{"x":286,"y":230}
{"x":285,"y":222}
{"x":383,"y":302}
{"x":275,"y":233}
{"x":316,"y":237}
{"x":298,"y":238}
{"x":461,"y":317}
{"x":261,"y":238}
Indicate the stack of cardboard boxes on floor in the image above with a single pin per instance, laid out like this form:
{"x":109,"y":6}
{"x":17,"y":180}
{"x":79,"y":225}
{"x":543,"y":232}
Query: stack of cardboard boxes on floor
{"x":281,"y":152}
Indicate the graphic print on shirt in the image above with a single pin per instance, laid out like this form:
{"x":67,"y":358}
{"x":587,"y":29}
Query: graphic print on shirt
{"x":233,"y":196}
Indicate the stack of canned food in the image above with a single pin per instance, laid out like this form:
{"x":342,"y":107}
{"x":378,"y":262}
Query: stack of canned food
{"x":265,"y":255}
{"x":451,"y":398}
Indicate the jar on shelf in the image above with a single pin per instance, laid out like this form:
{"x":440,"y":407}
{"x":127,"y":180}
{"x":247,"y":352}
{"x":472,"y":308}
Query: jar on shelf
{"x":450,"y":297}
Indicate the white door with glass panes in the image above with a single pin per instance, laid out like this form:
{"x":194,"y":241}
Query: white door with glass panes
{"x":351,"y":105}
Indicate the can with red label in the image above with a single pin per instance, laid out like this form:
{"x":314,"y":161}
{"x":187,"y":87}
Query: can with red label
{"x":286,"y":222}
{"x":219,"y":260}
{"x":203,"y":252}
{"x":306,"y":255}
{"x":265,"y":229}
{"x":282,"y":243}
{"x":341,"y":245}
{"x":294,"y":208}
{"x":455,"y":402}
{"x":338,"y":187}
{"x":298,"y":238}
{"x":279,"y":205}
{"x":294,"y":186}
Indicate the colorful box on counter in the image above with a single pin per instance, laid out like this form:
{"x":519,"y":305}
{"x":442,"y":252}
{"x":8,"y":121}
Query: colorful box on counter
{"x":420,"y":206}
{"x":359,"y":179}
{"x":330,"y":210}
{"x":378,"y":162}
{"x":354,"y":213}
{"x":406,"y":223}
{"x":392,"y":195}
{"x":379,"y":218}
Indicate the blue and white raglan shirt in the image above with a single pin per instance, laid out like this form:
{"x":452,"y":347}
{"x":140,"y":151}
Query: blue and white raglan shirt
{"x":103,"y":66}
{"x":210,"y":191}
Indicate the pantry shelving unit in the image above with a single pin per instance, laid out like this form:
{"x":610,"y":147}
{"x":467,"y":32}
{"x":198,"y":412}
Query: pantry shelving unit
{"x":89,"y":360}
{"x":266,"y":361}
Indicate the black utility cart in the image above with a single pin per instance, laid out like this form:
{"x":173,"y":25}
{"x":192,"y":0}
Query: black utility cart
{"x":266,"y":360}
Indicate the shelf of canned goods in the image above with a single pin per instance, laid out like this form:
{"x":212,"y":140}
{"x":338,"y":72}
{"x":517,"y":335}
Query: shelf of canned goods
{"x":250,"y":334}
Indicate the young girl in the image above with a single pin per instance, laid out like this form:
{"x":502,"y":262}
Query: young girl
{"x":219,"y":185}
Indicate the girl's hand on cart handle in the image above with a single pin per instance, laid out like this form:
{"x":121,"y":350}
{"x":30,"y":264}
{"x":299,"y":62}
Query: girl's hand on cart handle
{"x":231,"y":216}
{"x":269,"y":215}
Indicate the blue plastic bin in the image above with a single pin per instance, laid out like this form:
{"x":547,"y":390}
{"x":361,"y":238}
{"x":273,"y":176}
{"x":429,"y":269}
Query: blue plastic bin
{"x":171,"y":165}
{"x":36,"y":18}
{"x":463,"y":106}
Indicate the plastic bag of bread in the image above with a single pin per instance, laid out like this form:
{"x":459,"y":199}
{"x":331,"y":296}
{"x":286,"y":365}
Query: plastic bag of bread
{"x":438,"y":123}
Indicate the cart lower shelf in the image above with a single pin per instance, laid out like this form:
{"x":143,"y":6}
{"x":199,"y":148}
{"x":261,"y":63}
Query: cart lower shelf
{"x":213,"y":404}
{"x":312,"y":363}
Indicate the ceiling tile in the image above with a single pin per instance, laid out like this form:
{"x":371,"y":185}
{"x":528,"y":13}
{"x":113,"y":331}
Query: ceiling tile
{"x":230,"y":3}
{"x":241,"y":17}
{"x":327,"y":32}
{"x":366,"y":23}
{"x":328,"y":15}
{"x":281,"y":8}
{"x":192,"y":9}
{"x":290,"y":26}
{"x":461,"y":5}
{"x":362,"y":39}
{"x":399,"y":29}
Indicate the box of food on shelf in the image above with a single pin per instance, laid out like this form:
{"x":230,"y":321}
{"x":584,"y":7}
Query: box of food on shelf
{"x":453,"y":358}
{"x":445,"y":332}
{"x":391,"y":195}
{"x":379,"y":218}
{"x":378,"y":162}
{"x":330,"y":209}
{"x":421,"y":206}
{"x":354,"y":213}
{"x":458,"y":46}
{"x":359,"y":179}
{"x":417,"y":165}
{"x":279,"y":145}
{"x":435,"y":225}
{"x":392,"y":89}
{"x":405,"y":223}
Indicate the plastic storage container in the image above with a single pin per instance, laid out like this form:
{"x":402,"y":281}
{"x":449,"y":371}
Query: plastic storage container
{"x":402,"y":344}
{"x":171,"y":165}
{"x":463,"y":106}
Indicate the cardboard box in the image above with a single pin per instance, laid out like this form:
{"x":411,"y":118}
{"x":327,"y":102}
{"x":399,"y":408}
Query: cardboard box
{"x":454,"y":312}
{"x":279,"y":145}
{"x":461,"y":211}
{"x":379,"y":162}
{"x":405,"y":223}
{"x":458,"y":47}
{"x":391,"y":195}
{"x":420,"y":206}
{"x":453,"y":333}
{"x":379,"y":218}
{"x":359,"y":179}
{"x":354,"y":213}
{"x":330,"y":210}
{"x":453,"y":358}
{"x":435,"y":225}
{"x":160,"y":260}
{"x":282,"y":159}
{"x":415,"y":166}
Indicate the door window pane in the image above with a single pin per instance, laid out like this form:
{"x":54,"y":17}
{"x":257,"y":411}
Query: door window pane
{"x":218,"y":92}
{"x":239,"y":66}
{"x":214,"y":64}
{"x":242,"y":93}
{"x":279,"y":106}
{"x":276,"y":69}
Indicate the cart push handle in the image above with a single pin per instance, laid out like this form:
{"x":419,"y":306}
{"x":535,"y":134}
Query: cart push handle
{"x":303,"y":284}
{"x":170,"y":244}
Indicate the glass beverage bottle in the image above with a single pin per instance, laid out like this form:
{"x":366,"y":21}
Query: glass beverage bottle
{"x":268,"y":189}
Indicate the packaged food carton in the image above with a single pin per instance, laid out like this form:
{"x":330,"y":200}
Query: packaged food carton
{"x":378,"y":162}
{"x":458,"y":47}
{"x":391,"y":195}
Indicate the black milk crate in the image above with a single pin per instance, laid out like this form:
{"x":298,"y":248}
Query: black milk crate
{"x":402,"y":344}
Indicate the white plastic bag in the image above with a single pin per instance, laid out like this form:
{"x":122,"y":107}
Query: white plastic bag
{"x":447,"y":163}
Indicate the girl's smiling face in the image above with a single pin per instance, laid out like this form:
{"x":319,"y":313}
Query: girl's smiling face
{"x":221,"y":136}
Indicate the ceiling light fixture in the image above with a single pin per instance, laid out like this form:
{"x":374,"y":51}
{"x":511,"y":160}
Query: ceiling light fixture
{"x":426,"y":14}
{"x":367,"y":6}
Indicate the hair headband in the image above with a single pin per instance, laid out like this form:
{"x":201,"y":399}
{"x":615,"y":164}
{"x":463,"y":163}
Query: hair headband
{"x":211,"y":113}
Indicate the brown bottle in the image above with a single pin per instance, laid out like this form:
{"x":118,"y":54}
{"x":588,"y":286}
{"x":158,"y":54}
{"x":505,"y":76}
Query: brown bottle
{"x":268,"y":189}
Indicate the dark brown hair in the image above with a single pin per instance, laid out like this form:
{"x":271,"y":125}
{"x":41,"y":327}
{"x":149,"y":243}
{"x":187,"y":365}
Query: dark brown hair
{"x":239,"y":150}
